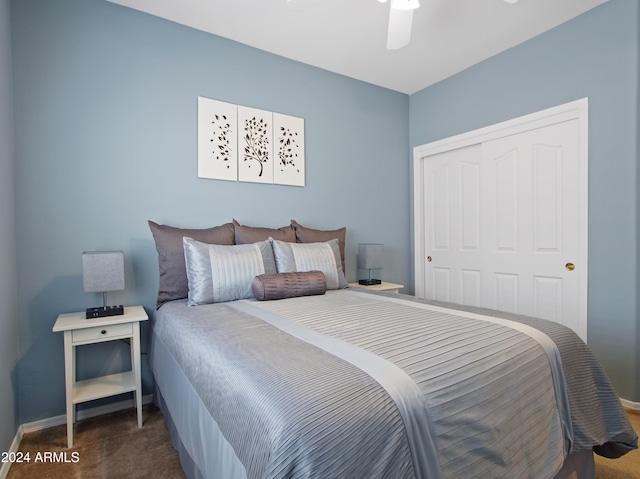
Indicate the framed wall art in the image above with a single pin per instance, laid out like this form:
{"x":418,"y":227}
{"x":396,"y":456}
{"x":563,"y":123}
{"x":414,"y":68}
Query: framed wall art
{"x":240,"y":143}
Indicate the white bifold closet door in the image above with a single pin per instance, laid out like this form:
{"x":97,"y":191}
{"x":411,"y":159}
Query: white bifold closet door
{"x":502,"y":227}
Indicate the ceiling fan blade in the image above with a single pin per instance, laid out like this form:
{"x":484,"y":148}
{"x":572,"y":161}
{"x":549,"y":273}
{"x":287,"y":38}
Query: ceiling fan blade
{"x":399,"y":34}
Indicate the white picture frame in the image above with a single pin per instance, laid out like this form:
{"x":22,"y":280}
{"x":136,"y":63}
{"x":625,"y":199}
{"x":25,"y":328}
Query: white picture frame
{"x":217,"y":140}
{"x":288,"y":150}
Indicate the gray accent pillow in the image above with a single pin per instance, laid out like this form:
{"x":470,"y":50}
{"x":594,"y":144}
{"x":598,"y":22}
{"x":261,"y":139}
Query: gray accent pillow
{"x":173,"y":273}
{"x":266,"y":287}
{"x":325,"y":257}
{"x":309,"y":235}
{"x":253,"y":234}
{"x":219,"y":273}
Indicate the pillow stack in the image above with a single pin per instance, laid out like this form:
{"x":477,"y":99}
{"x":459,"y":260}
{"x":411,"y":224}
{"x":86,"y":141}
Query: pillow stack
{"x":233,"y":261}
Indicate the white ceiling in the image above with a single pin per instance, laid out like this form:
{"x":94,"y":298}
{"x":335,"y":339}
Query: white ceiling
{"x":349,"y":36}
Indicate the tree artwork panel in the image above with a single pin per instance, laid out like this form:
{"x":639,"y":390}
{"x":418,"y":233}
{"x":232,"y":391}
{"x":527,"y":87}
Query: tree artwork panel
{"x":240,"y":143}
{"x":289,"y":160}
{"x":255,"y":145}
{"x":217,"y":139}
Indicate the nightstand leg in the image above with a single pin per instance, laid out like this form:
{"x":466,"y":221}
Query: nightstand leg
{"x":135,"y":364}
{"x":69,"y":377}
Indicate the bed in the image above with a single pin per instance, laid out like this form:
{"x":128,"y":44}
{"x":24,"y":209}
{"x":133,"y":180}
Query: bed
{"x":345,"y":382}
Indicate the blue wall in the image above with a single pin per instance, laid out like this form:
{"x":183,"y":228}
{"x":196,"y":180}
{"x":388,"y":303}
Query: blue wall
{"x":595,"y":55}
{"x":105,"y":138}
{"x":8,"y":288}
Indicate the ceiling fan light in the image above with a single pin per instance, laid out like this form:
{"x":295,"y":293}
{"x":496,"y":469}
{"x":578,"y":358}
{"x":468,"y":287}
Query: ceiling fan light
{"x":405,"y":4}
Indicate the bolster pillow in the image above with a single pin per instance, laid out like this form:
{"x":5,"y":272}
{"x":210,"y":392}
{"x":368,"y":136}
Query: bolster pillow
{"x":288,"y":285}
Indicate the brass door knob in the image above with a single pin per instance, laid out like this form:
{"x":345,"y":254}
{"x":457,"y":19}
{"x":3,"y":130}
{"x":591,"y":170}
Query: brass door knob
{"x":570,"y":266}
{"x":428,"y":259}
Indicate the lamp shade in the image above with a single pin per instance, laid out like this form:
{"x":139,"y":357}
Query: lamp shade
{"x":370,"y":255}
{"x":102,"y":271}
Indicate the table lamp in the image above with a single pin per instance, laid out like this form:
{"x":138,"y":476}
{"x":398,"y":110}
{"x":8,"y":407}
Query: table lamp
{"x":370,"y":257}
{"x":103,"y":271}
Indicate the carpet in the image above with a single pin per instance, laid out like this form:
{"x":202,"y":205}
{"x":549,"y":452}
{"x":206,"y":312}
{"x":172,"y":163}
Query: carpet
{"x":105,"y":447}
{"x":625,"y":467}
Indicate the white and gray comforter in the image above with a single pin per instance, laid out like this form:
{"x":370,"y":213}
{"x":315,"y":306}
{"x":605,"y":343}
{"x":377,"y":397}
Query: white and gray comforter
{"x":359,"y":385}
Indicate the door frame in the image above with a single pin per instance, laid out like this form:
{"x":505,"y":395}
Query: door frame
{"x":575,"y":110}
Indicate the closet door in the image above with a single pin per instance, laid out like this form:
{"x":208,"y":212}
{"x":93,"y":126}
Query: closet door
{"x":531,"y":231}
{"x":502,"y":225}
{"x":453,"y":221}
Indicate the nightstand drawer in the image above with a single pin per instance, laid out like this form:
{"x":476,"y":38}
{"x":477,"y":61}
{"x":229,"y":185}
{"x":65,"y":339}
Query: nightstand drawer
{"x":102,"y":333}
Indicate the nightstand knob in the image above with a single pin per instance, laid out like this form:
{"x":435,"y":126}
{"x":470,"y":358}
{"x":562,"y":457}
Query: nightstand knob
{"x":104,"y":331}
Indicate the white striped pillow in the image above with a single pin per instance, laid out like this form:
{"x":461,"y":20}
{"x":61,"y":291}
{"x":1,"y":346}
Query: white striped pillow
{"x":219,"y":273}
{"x":325,"y":257}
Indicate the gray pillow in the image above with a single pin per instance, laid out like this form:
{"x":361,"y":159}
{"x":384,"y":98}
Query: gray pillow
{"x":219,"y":273}
{"x":325,"y":257}
{"x":267,"y":287}
{"x":253,"y":234}
{"x":173,"y":274}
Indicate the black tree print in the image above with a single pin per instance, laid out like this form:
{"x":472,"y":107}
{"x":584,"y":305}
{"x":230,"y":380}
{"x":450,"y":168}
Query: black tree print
{"x":287,"y":151}
{"x":257,"y":141}
{"x":221,"y":133}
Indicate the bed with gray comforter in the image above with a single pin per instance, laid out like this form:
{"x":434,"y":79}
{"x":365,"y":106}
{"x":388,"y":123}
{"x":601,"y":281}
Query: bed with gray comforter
{"x":363,"y":385}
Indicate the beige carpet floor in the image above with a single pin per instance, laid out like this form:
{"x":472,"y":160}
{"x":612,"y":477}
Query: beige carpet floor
{"x":108,"y":447}
{"x":625,"y":467}
{"x":112,"y":447}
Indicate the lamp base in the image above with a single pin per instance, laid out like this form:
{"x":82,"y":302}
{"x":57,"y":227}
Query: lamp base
{"x":369,"y":282}
{"x":104,"y":311}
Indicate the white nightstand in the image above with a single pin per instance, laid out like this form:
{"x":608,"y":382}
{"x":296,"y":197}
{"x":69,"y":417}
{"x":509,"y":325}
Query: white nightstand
{"x":79,"y":331}
{"x":389,"y":287}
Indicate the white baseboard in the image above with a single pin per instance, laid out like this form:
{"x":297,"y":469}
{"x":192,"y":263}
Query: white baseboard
{"x":628,"y":404}
{"x":4,"y":470}
{"x":62,"y":419}
{"x":84,"y":414}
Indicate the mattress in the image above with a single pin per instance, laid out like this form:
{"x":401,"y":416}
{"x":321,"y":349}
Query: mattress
{"x":355,"y":384}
